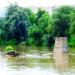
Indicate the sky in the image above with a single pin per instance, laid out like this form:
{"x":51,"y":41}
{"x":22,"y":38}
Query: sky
{"x":35,"y":3}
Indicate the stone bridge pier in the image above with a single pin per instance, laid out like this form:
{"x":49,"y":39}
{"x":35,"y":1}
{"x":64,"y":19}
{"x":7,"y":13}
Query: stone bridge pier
{"x":61,"y":58}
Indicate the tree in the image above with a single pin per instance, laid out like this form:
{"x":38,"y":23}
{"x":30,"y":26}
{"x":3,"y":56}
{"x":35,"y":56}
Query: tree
{"x":61,"y":20}
{"x":45,"y":25}
{"x":38,"y":29}
{"x":34,"y":35}
{"x":39,"y":13}
{"x":17,"y":23}
{"x":43,"y":22}
{"x":31,"y":15}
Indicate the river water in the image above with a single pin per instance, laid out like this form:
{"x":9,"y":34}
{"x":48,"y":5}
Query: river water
{"x":36,"y":61}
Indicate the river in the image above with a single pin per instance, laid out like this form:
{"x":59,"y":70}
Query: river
{"x":36,"y":61}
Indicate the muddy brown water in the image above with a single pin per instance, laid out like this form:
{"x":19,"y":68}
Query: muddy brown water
{"x":36,"y":61}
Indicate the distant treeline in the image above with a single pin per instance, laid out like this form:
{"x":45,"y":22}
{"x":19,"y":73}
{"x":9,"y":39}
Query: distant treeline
{"x":22,"y":26}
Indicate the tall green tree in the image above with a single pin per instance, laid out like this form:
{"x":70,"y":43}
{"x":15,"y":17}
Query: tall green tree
{"x":45,"y":25}
{"x":61,"y":20}
{"x":17,"y":22}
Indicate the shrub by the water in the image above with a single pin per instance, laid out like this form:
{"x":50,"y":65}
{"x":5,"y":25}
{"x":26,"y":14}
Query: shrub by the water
{"x":72,"y":41}
{"x":9,"y":49}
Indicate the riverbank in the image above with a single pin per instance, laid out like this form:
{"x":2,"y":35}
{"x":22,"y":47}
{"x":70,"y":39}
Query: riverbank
{"x":72,"y":50}
{"x":34,"y":49}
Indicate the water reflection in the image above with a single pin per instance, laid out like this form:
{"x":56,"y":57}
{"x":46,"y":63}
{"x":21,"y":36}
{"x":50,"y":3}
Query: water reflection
{"x":29,"y":62}
{"x":36,"y":63}
{"x":26,"y":66}
{"x":61,"y":62}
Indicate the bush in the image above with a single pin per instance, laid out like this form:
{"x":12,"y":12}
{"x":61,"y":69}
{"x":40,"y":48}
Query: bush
{"x":72,"y":41}
{"x":48,"y":40}
{"x":11,"y":42}
{"x":29,"y":41}
{"x":8,"y":49}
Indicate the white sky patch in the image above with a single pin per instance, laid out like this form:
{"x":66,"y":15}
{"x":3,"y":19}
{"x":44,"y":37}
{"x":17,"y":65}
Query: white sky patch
{"x":45,"y":3}
{"x":34,"y":4}
{"x":37,"y":3}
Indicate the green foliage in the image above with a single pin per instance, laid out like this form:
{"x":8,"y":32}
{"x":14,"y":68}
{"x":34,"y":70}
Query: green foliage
{"x":30,"y":41}
{"x":72,"y":24}
{"x":32,"y":30}
{"x":22,"y":26}
{"x":61,"y":20}
{"x":17,"y":22}
{"x":8,"y":49}
{"x":11,"y":42}
{"x":38,"y":15}
{"x":43,"y":22}
{"x":48,"y":40}
{"x":72,"y":41}
{"x":35,"y":35}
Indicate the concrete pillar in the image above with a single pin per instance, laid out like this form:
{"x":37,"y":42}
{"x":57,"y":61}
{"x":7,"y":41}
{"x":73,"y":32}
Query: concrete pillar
{"x":61,"y":46}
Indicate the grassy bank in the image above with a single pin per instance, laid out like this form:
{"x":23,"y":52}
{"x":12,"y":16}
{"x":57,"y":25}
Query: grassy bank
{"x":72,"y":50}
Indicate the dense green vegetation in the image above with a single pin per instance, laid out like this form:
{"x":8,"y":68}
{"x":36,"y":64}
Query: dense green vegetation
{"x":23,"y":26}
